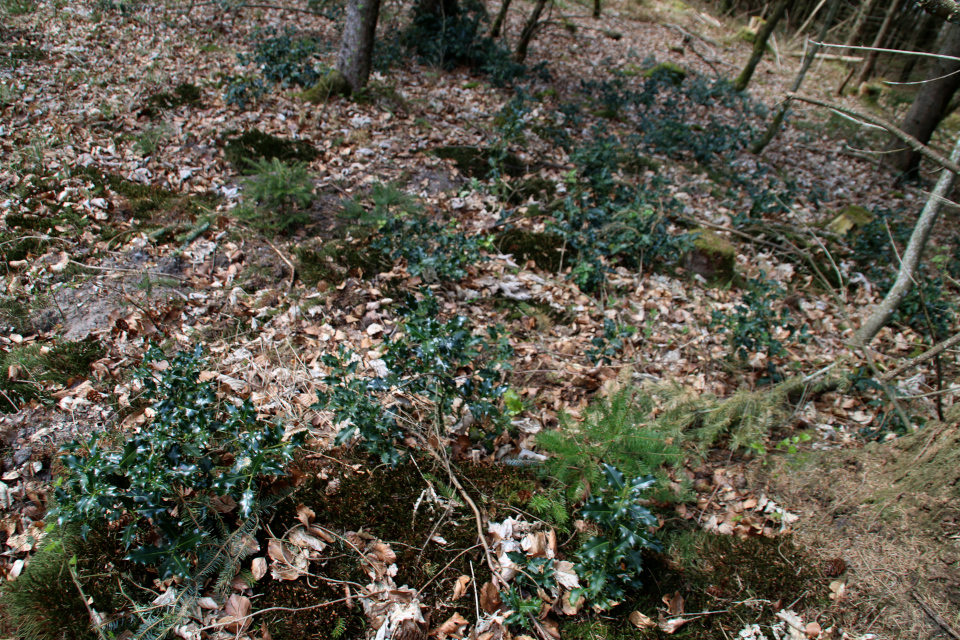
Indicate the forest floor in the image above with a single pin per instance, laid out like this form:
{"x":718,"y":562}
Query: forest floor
{"x":125,"y":223}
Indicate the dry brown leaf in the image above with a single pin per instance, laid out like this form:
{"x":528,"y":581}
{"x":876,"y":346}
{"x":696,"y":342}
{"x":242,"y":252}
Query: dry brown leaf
{"x":305,"y":515}
{"x":671,"y":626}
{"x":259,"y":568}
{"x":265,"y":633}
{"x":837,"y":590}
{"x":237,"y":610}
{"x":304,"y":540}
{"x":450,"y":628}
{"x":460,"y":587}
{"x":490,"y":598}
{"x":674,"y":604}
{"x":641,"y":621}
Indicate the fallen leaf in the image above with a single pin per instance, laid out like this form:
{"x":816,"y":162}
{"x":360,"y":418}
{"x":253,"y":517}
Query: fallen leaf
{"x":237,"y":608}
{"x":490,"y":598}
{"x":671,"y":626}
{"x":259,"y":568}
{"x":452,"y":627}
{"x":674,"y":604}
{"x":305,"y":515}
{"x":837,"y":590}
{"x":641,"y":621}
{"x":460,"y":587}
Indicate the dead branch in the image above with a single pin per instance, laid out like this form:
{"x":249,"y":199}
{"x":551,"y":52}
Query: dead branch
{"x":909,"y":140}
{"x":923,"y":357}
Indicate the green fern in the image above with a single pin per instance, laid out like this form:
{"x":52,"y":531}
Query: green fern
{"x":619,"y":431}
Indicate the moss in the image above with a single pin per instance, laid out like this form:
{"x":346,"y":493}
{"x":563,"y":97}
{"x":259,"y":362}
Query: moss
{"x":242,"y":150}
{"x":183,"y":94}
{"x":474,"y":162}
{"x":668,"y":71}
{"x":380,"y":502}
{"x":44,"y":603}
{"x":18,"y":53}
{"x":382,"y":95}
{"x":547,"y":250}
{"x":329,"y":86}
{"x":335,"y":260}
{"x":851,"y":218}
{"x":713,"y":257}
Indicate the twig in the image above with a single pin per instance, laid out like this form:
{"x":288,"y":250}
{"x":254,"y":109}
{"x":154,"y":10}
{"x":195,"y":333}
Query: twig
{"x":923,"y":357}
{"x":936,"y":617}
{"x":122,"y":270}
{"x":293,"y":269}
{"x":909,"y":140}
{"x":86,"y":603}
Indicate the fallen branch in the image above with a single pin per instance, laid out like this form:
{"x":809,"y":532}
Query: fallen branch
{"x":923,"y":357}
{"x":909,"y":140}
{"x":293,"y":269}
{"x":826,"y":56}
{"x":935,"y":616}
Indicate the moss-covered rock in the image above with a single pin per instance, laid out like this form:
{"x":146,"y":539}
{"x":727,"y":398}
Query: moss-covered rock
{"x":853,"y":217}
{"x":474,"y":162}
{"x":713,"y":257}
{"x":332,"y":85}
{"x":667,"y":71}
{"x":547,"y":250}
{"x":242,"y":150}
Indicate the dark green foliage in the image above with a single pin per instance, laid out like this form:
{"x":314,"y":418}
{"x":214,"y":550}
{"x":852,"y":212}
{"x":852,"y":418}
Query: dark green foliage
{"x":610,"y":563}
{"x":194,"y":447}
{"x":752,"y":322}
{"x":452,"y":40}
{"x":20,"y":53}
{"x":245,"y":150}
{"x":609,"y":343}
{"x":279,"y":195}
{"x":282,"y":60}
{"x":616,"y":430}
{"x":183,"y":94}
{"x":440,"y":362}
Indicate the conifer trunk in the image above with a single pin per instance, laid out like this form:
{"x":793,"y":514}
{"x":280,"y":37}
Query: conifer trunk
{"x":871,"y":61}
{"x":528,"y":30}
{"x":760,"y":44}
{"x":500,"y":19}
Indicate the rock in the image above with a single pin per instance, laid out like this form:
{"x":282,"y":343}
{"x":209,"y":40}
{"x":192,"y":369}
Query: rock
{"x":713,"y":257}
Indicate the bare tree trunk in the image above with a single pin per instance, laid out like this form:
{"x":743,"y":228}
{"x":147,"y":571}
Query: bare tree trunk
{"x":500,"y":19}
{"x":930,"y":105}
{"x":922,"y":38}
{"x":777,"y":122}
{"x":528,"y":30}
{"x":859,"y":25}
{"x":867,"y":69}
{"x":910,"y":261}
{"x":356,"y":43}
{"x":760,"y":44}
{"x":596,"y":8}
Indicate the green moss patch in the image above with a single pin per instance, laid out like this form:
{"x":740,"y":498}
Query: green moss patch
{"x":381,"y":503}
{"x":334,"y":260}
{"x":243,"y":150}
{"x":332,"y":85}
{"x":668,"y":71}
{"x":547,"y":250}
{"x":713,"y":257}
{"x":182,"y":95}
{"x":475,"y":162}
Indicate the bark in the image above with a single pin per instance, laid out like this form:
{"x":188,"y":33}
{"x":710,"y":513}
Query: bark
{"x":868,"y":65}
{"x":528,"y":30}
{"x":596,"y":8}
{"x":440,"y":8}
{"x":777,"y":122}
{"x":356,"y":43}
{"x":500,"y":19}
{"x":881,"y":314}
{"x":859,"y":25}
{"x":760,"y":44}
{"x":924,"y":35}
{"x":944,"y":9}
{"x":930,"y":106}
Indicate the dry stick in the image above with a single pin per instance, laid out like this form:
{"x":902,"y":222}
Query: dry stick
{"x":293,"y":269}
{"x":909,"y":140}
{"x":923,"y":357}
{"x":936,"y":617}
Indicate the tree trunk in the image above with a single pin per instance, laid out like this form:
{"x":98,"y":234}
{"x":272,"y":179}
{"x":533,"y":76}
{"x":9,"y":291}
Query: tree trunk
{"x":777,"y":122}
{"x":930,"y":105}
{"x":881,"y":314}
{"x":596,"y":8}
{"x":500,"y":19}
{"x":867,"y":69}
{"x":859,"y":25}
{"x":760,"y":44}
{"x":440,"y":8}
{"x":923,"y":37}
{"x":528,"y":30}
{"x":356,"y":43}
